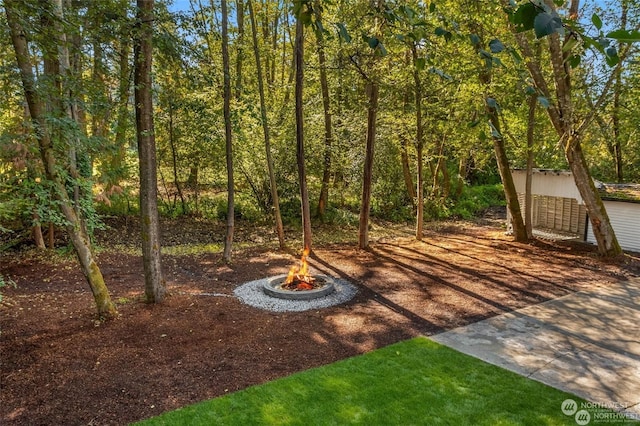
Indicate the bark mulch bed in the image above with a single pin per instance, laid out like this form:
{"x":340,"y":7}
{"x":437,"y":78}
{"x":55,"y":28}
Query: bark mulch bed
{"x":60,"y":365}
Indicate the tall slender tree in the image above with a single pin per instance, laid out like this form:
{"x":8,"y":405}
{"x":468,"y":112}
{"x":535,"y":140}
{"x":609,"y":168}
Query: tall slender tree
{"x":419,"y":145}
{"x":239,"y":47}
{"x":372,"y":91}
{"x":302,"y":174}
{"x":568,"y":126}
{"x":326,"y":105}
{"x":616,"y":144}
{"x":37,"y":113}
{"x":528,"y":196}
{"x":228,"y":240}
{"x":155,"y":287}
{"x":266,"y":130}
{"x":485,"y":77}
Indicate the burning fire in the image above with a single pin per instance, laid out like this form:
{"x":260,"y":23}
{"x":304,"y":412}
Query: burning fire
{"x":299,"y":277}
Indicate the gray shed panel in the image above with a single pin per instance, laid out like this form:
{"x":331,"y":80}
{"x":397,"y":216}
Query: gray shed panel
{"x":625,"y":219}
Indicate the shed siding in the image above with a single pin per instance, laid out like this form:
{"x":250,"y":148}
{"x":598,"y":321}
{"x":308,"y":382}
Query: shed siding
{"x":560,"y":214}
{"x":548,"y":182}
{"x":625,"y":219}
{"x":557,"y":205}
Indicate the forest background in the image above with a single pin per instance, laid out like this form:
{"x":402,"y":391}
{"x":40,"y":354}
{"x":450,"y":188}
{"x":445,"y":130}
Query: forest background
{"x":434,"y":86}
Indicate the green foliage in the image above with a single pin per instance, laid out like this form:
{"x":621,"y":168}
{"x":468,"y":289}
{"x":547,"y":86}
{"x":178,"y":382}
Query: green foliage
{"x":452,"y":42}
{"x":340,"y":217}
{"x":476,"y":199}
{"x":120,"y":204}
{"x":626,"y":36}
{"x":214,"y":207}
{"x":472,"y":202}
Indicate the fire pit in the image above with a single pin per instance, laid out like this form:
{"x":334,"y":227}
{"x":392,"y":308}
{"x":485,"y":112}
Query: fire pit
{"x":299,"y":291}
{"x":299,"y":284}
{"x":320,"y":286}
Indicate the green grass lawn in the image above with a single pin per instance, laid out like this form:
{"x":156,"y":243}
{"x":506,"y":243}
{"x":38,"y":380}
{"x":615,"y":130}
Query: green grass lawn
{"x":416,"y":382}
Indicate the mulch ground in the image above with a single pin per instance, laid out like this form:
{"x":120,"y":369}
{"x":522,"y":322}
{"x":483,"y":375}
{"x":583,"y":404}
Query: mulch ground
{"x":60,"y":365}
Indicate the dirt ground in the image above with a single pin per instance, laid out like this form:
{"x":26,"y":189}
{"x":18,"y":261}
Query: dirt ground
{"x":60,"y":365}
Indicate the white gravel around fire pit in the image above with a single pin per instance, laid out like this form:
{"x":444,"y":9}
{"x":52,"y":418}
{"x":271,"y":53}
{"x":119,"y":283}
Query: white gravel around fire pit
{"x":252,"y":294}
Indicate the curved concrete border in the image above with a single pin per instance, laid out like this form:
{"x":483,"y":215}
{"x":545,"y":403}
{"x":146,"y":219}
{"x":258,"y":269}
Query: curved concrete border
{"x":273,"y":288}
{"x":252,"y":294}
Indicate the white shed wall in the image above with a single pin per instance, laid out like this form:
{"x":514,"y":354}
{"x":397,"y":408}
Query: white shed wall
{"x":548,"y":182}
{"x":625,"y":219}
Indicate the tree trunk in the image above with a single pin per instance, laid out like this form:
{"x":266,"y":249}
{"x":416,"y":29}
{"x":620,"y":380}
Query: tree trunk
{"x":118,"y":159}
{"x":240,"y":47}
{"x":446,"y":178}
{"x":528,"y":197}
{"x":228,"y":240}
{"x":274,"y":48}
{"x":37,"y":235}
{"x":419,"y":148}
{"x":66,"y":100}
{"x":404,"y":154}
{"x":292,"y":68}
{"x":174,"y":160}
{"x":615,"y":114}
{"x":440,"y":189}
{"x":154,"y":283}
{"x":79,"y":240}
{"x":192,"y":180}
{"x":302,"y":175}
{"x":513,"y":205}
{"x":406,"y":169}
{"x":328,"y":131}
{"x":365,"y":206}
{"x":519,"y":231}
{"x":266,"y":130}
{"x":51,"y":236}
{"x":462,"y":175}
{"x":601,"y":225}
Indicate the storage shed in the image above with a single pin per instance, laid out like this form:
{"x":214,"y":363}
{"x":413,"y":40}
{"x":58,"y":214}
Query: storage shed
{"x":559,"y":208}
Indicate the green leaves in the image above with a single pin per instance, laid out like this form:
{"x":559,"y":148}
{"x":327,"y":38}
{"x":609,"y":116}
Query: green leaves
{"x":625,"y":36}
{"x":597,"y":22}
{"x":543,"y":20}
{"x":496,"y":46}
{"x":536,"y":17}
{"x":343,"y":33}
{"x":604,"y":46}
{"x":441,"y":32}
{"x":544,"y":102}
{"x":524,"y":17}
{"x":545,"y":24}
{"x":303,"y":10}
{"x":439,"y":72}
{"x":375,"y":44}
{"x":492,"y":103}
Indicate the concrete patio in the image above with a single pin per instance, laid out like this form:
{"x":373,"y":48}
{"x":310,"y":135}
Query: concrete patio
{"x":586,"y":343}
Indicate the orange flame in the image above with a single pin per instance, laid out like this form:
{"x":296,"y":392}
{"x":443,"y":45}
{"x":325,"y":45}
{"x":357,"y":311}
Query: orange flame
{"x":300,"y":272}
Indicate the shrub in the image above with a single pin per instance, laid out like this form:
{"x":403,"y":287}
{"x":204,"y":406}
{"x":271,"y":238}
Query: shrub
{"x":476,"y":199}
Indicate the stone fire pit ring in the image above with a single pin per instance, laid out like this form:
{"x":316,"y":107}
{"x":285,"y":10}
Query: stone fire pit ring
{"x":273,"y":287}
{"x":253,"y":293}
